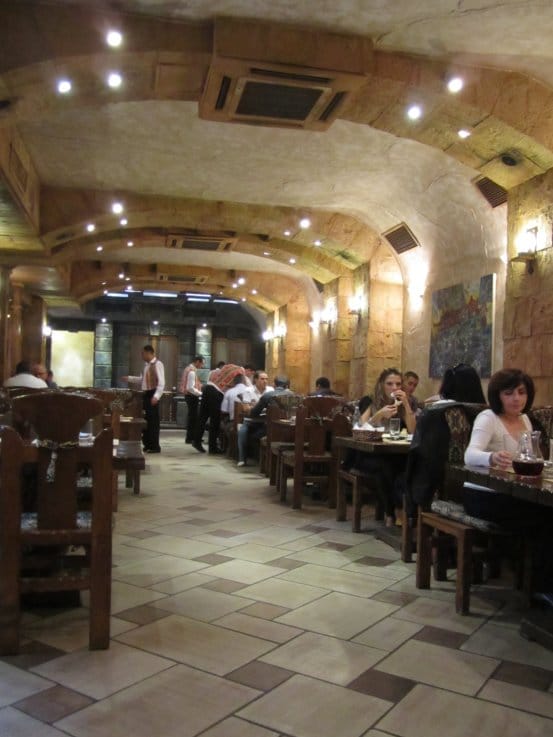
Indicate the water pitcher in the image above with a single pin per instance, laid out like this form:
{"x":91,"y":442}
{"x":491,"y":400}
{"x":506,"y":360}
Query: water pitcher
{"x":528,"y":460}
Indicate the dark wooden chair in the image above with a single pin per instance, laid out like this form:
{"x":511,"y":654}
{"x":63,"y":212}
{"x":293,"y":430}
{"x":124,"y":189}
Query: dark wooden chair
{"x":64,"y":542}
{"x":310,"y":461}
{"x":322,"y":406}
{"x":278,"y":438}
{"x":362,"y":487}
{"x":475,"y":539}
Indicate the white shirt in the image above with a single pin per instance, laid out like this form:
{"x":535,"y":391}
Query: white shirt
{"x":160,"y":373}
{"x":28,"y":381}
{"x":238,"y":393}
{"x":256,"y":394}
{"x":489,"y":435}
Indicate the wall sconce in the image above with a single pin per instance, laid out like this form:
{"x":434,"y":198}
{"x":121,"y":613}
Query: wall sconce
{"x":267,"y":335}
{"x":355,"y":304}
{"x":528,"y":247}
{"x":280,"y":330}
{"x":46,"y":331}
{"x":315,"y":320}
{"x":329,"y":314}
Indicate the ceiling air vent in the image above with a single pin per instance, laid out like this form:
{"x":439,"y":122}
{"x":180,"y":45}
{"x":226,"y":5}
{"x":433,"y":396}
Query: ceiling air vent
{"x":200,"y":241}
{"x":493,"y":192}
{"x":181,"y":278}
{"x":266,"y":74}
{"x":401,"y":239}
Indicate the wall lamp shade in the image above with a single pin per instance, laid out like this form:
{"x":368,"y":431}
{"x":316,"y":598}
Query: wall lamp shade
{"x":355,"y":304}
{"x":527,"y":250}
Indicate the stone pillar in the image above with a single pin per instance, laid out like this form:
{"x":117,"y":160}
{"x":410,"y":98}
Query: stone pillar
{"x":337,"y":351}
{"x":33,"y":346}
{"x":103,"y":355}
{"x":15,"y":326}
{"x":5,"y":367}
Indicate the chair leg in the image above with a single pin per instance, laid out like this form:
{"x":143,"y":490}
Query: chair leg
{"x":356,"y":502}
{"x":298,"y":489}
{"x":282,"y":482}
{"x":464,"y":568}
{"x":273,"y":469}
{"x":341,"y":502}
{"x":441,"y":553}
{"x":424,"y":554}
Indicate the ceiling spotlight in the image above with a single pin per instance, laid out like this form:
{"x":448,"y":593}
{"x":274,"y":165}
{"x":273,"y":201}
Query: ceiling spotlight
{"x":235,"y":285}
{"x":317,"y":242}
{"x":64,"y":86}
{"x":254,"y":291}
{"x":305,"y":223}
{"x":121,"y":274}
{"x":414,"y":112}
{"x":114,"y":39}
{"x":287,"y":233}
{"x":114,"y":80}
{"x":123,"y":221}
{"x":292,"y":261}
{"x":243,"y":299}
{"x":91,"y":227}
{"x":104,"y":319}
{"x":128,"y":278}
{"x":204,"y":324}
{"x":241,"y":280}
{"x":117,"y":208}
{"x":455,"y":84}
{"x":463,"y":133}
{"x":130,"y":244}
{"x":155,"y":322}
{"x":99,"y":248}
{"x":266,"y":253}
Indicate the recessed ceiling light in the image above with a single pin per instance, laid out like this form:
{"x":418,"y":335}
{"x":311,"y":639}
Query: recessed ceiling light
{"x":64,"y":86}
{"x":105,"y":291}
{"x":122,"y":275}
{"x":241,"y":280}
{"x":266,"y":253}
{"x":414,"y":112}
{"x":463,"y":133}
{"x":305,"y":223}
{"x":117,"y":208}
{"x":254,"y":291}
{"x":243,"y":299}
{"x":103,"y":319}
{"x":127,"y":278}
{"x":99,"y":248}
{"x":204,"y":324}
{"x":455,"y":84}
{"x":292,"y":261}
{"x":114,"y":80}
{"x":123,"y":221}
{"x":91,"y":227}
{"x":317,"y":242}
{"x":235,"y":285}
{"x":287,"y":233}
{"x":114,"y":38}
{"x":155,"y":322}
{"x":130,"y":244}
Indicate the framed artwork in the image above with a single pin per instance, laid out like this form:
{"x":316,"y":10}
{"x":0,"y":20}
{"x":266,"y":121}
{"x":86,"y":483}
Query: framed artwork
{"x":462,"y":326}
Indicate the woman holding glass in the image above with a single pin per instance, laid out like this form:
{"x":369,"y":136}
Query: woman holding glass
{"x":389,"y":401}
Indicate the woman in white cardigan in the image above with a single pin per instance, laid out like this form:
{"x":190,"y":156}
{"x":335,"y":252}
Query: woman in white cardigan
{"x":494,"y":441}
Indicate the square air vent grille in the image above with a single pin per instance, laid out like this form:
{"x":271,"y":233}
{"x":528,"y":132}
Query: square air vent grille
{"x":200,"y":241}
{"x":265,"y":74}
{"x":401,"y":238}
{"x":493,"y":192}
{"x":181,"y":278}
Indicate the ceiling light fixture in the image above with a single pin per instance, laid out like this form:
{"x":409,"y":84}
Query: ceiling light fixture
{"x":455,"y":84}
{"x":130,"y":244}
{"x":123,"y":221}
{"x":104,"y":319}
{"x":99,"y":248}
{"x":114,"y":80}
{"x":292,"y":261}
{"x":117,"y":294}
{"x":91,"y":227}
{"x":317,"y":242}
{"x":287,"y":233}
{"x":254,"y":291}
{"x":117,"y":208}
{"x":121,"y":275}
{"x":235,"y":285}
{"x":171,"y":295}
{"x":305,"y":223}
{"x":114,"y":38}
{"x":241,"y":280}
{"x":266,"y":253}
{"x":463,"y":133}
{"x":414,"y":112}
{"x":64,"y":86}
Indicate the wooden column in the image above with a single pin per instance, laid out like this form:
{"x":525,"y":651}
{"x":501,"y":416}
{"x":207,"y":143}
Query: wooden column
{"x":5,"y":369}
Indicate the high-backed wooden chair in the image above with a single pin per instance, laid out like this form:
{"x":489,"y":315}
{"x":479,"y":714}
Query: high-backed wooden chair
{"x":322,"y":406}
{"x":278,"y":437}
{"x":58,"y":546}
{"x":446,"y":521}
{"x":363,"y":486}
{"x":310,"y":461}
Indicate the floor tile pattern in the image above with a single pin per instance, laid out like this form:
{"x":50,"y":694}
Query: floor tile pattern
{"x":236,"y":616}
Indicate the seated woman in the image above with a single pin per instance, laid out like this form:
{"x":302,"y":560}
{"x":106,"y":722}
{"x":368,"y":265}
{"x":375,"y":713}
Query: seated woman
{"x":494,"y":441}
{"x":389,"y":401}
{"x":460,"y":383}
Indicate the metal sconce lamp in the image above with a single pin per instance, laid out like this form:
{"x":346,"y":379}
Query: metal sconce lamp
{"x":267,"y":335}
{"x":329,"y":314}
{"x":355,"y":305}
{"x":527,"y":254}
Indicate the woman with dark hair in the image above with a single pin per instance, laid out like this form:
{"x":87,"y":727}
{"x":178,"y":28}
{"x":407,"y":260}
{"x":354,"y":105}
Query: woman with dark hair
{"x":496,"y":431}
{"x":462,"y":384}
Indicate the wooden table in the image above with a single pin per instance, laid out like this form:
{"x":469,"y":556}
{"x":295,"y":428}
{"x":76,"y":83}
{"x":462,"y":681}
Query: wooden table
{"x":341,"y":444}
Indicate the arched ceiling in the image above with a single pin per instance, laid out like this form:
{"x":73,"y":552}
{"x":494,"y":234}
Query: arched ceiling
{"x":182,"y":177}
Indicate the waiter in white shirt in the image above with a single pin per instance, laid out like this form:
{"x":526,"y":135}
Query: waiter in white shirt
{"x":153,"y":384}
{"x":191,"y":386}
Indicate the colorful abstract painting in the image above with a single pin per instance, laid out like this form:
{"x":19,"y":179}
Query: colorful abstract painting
{"x":462,"y":327}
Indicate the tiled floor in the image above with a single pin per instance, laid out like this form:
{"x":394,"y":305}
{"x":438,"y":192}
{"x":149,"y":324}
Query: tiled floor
{"x":234,"y":616}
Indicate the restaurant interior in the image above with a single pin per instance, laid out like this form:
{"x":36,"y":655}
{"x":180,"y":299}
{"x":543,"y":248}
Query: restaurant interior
{"x":314,"y":189}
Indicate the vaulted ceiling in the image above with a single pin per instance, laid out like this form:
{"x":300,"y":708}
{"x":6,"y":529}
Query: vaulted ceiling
{"x":236,"y":119}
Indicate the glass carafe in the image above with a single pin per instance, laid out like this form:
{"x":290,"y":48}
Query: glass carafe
{"x":528,"y":460}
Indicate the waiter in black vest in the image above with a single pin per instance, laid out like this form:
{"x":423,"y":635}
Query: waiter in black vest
{"x":153,"y":384}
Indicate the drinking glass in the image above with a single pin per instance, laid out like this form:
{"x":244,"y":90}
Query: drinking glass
{"x":395,"y":427}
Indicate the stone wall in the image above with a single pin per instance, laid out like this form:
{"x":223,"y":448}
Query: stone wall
{"x":528,"y":320}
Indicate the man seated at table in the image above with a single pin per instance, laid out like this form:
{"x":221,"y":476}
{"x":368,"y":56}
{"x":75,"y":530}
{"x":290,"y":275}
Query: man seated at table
{"x":323,"y":388}
{"x":24,"y":377}
{"x":255,"y":426}
{"x":238,"y":392}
